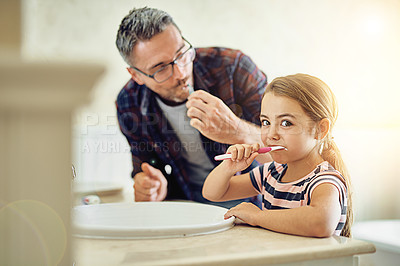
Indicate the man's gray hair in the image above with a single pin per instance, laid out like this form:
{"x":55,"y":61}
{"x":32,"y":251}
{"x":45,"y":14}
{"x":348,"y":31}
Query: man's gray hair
{"x":140,"y":24}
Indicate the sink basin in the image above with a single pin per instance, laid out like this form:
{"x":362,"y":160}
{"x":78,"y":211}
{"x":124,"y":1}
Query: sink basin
{"x":148,"y":220}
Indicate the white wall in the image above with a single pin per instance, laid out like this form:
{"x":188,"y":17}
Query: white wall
{"x":351,"y":45}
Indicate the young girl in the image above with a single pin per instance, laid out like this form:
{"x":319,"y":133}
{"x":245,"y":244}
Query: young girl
{"x":306,"y":189}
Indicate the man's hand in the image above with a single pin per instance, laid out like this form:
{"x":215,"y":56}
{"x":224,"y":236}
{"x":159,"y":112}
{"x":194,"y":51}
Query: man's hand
{"x":212,"y":117}
{"x":216,"y":121}
{"x":150,"y":185}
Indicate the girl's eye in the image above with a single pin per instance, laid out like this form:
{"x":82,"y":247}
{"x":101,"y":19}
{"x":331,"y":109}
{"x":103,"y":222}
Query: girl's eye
{"x":264,"y":123}
{"x":286,"y":123}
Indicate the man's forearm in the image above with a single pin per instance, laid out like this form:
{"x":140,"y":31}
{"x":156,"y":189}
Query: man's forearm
{"x":247,"y":133}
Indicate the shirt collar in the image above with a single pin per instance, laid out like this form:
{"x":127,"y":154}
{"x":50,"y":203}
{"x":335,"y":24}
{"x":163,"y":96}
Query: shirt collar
{"x":144,"y":106}
{"x":202,"y":76}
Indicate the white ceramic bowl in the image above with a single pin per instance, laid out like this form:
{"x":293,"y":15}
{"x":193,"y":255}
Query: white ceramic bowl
{"x":148,"y":220}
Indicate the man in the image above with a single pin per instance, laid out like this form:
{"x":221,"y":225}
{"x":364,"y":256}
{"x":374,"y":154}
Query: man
{"x":182,"y":106}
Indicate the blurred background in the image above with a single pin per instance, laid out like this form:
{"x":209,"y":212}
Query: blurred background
{"x":351,"y":45}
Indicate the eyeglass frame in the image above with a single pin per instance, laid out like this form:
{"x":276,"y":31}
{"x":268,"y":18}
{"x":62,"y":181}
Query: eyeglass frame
{"x":172,"y":63}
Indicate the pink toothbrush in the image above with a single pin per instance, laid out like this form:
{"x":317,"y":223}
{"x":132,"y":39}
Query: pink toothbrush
{"x":227,"y":156}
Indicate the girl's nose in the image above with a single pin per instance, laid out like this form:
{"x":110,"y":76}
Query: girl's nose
{"x":272,"y":133}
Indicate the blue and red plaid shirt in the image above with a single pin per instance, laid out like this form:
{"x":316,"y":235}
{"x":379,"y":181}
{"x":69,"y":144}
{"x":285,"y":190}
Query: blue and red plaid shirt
{"x":225,"y":73}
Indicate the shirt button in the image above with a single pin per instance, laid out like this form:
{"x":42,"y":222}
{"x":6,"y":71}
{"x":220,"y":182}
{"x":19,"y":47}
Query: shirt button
{"x":168,"y":169}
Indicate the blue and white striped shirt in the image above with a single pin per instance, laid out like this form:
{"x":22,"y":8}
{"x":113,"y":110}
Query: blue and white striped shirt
{"x":266,"y":179}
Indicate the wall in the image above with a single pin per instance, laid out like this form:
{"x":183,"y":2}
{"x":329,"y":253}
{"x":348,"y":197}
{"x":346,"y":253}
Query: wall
{"x":351,"y":45}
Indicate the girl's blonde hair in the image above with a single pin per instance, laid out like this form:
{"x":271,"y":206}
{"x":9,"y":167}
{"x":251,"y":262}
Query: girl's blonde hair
{"x":319,"y":102}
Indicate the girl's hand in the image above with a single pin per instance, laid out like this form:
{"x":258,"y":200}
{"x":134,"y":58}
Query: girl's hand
{"x":245,"y":211}
{"x":242,"y":156}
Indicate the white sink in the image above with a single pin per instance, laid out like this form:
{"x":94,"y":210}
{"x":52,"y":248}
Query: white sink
{"x":148,"y":220}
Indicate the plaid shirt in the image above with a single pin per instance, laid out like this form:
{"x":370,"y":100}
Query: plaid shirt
{"x":225,"y":73}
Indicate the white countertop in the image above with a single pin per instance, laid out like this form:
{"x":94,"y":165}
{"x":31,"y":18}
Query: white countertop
{"x":241,"y":245}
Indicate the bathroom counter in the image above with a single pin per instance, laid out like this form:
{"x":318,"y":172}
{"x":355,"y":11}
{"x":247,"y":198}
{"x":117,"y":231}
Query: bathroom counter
{"x":240,"y":245}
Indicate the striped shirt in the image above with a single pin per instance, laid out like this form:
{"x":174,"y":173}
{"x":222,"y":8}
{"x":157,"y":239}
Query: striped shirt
{"x":266,"y":179}
{"x":225,"y":73}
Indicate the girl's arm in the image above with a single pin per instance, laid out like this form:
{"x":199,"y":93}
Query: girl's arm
{"x":222,"y":185}
{"x":319,"y":219}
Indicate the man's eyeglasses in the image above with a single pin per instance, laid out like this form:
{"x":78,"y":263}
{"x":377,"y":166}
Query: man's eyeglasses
{"x":166,"y":71}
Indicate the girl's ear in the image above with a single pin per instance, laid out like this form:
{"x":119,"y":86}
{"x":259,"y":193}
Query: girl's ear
{"x":323,"y":128}
{"x":135,"y":76}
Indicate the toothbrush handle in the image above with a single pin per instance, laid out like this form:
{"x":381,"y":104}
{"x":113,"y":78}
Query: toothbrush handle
{"x":227,"y":156}
{"x":223,"y":157}
{"x":264,"y":150}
